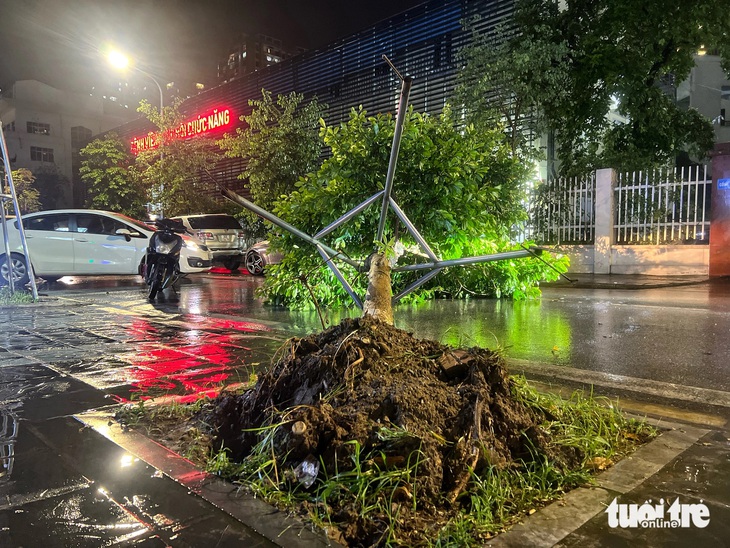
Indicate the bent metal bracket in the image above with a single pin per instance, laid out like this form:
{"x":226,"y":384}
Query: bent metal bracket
{"x":432,"y":266}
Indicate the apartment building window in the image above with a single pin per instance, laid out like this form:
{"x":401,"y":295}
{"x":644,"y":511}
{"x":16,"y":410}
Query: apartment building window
{"x":80,"y":135}
{"x":38,"y":128}
{"x":40,"y":154}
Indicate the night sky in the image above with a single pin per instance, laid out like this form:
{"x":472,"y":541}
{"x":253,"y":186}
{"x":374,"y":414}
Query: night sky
{"x":60,"y":41}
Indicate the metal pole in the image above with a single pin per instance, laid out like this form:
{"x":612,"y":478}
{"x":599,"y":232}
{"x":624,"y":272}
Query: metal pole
{"x":159,"y":87}
{"x":469,"y":260}
{"x":336,"y":271}
{"x":349,"y":215}
{"x":418,"y":283}
{"x":402,"y":109}
{"x":413,"y":231}
{"x":161,"y":186}
{"x":286,"y":226}
{"x":16,"y":206}
{"x":6,"y":239}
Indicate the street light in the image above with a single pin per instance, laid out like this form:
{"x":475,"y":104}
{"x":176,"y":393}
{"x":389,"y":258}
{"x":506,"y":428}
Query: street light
{"x":121,"y":61}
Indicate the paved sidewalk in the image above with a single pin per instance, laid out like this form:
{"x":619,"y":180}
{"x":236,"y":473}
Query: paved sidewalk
{"x":65,"y":481}
{"x":624,"y":281}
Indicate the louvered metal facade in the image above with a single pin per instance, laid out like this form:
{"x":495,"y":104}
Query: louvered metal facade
{"x":422,"y":42}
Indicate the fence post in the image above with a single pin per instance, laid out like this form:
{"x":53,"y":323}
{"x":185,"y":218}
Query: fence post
{"x":720,"y":212}
{"x":605,"y":205}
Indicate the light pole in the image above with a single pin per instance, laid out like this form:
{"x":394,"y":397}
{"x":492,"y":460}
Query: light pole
{"x":121,"y":62}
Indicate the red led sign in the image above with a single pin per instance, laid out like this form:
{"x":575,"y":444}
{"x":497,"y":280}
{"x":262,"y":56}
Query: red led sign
{"x":200,"y":125}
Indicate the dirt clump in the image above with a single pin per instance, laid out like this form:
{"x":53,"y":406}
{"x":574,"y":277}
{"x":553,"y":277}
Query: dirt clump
{"x":396,"y":396}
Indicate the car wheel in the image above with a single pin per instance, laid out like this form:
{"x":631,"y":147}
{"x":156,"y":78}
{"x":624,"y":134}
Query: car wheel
{"x":20,"y":269}
{"x":255,"y":263}
{"x":232,"y":264}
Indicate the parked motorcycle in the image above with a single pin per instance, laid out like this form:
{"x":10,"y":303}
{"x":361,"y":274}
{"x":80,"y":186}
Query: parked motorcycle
{"x":161,"y":264}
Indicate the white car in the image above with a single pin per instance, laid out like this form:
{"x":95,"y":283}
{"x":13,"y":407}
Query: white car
{"x":86,"y":242}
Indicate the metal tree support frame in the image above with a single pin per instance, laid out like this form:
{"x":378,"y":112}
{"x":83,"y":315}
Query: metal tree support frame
{"x":16,"y":207}
{"x":328,"y":254}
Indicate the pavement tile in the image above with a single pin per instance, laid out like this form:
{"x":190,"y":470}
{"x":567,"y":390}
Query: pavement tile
{"x":702,"y":472}
{"x":94,"y":493}
{"x":44,"y":393}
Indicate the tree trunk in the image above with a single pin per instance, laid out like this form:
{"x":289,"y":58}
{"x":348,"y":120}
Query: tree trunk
{"x":379,"y":295}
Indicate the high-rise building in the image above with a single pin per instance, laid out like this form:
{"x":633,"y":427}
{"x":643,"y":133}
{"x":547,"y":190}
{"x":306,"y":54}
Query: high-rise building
{"x":251,"y":53}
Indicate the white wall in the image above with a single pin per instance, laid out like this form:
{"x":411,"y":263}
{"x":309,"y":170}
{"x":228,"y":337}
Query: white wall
{"x":655,"y":260}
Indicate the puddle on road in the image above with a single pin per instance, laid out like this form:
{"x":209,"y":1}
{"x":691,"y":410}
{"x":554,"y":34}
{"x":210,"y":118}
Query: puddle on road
{"x":179,"y":362}
{"x":136,"y":358}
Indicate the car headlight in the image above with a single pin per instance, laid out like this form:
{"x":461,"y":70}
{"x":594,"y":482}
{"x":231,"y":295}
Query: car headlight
{"x":191,"y":245}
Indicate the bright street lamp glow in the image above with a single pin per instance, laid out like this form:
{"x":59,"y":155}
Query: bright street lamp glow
{"x":118,"y":59}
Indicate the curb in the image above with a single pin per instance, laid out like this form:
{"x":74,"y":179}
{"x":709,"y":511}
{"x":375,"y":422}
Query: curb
{"x":626,"y":285}
{"x":638,"y":388}
{"x":257,"y":515}
{"x":551,"y":524}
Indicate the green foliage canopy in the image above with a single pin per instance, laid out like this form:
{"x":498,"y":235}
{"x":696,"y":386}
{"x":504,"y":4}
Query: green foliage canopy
{"x":113,"y":182}
{"x":573,"y":60}
{"x":174,"y":172}
{"x":280,"y":144}
{"x":460,"y":187}
{"x":25,"y":191}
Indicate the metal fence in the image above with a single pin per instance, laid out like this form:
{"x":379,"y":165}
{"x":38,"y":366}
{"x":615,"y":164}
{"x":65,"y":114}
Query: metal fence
{"x":562,"y":211}
{"x":663,"y":207}
{"x":651,"y":207}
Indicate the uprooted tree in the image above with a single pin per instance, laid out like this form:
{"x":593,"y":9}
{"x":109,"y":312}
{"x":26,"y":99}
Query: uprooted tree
{"x":461,"y":188}
{"x":390,"y":439}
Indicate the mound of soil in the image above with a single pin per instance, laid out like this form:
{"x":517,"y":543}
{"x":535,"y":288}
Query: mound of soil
{"x":361,"y":376}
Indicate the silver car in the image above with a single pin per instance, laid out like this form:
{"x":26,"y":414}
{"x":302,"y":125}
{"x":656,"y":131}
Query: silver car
{"x":222,"y":234}
{"x":258,"y":256}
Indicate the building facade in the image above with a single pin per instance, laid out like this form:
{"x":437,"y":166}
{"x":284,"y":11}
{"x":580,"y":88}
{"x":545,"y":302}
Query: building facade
{"x":422,"y":42}
{"x":45,"y":128}
{"x":249,"y":54}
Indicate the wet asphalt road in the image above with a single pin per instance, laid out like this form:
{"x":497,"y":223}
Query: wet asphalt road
{"x":677,"y":335}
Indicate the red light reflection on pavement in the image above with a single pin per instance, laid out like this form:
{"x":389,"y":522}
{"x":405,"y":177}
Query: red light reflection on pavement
{"x":218,"y":323}
{"x":201,"y":362}
{"x":221,"y":270}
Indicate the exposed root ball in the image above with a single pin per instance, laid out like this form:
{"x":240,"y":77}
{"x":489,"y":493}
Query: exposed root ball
{"x":368,"y":381}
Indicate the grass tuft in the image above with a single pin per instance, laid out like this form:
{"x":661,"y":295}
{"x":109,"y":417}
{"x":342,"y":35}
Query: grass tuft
{"x":17,"y":297}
